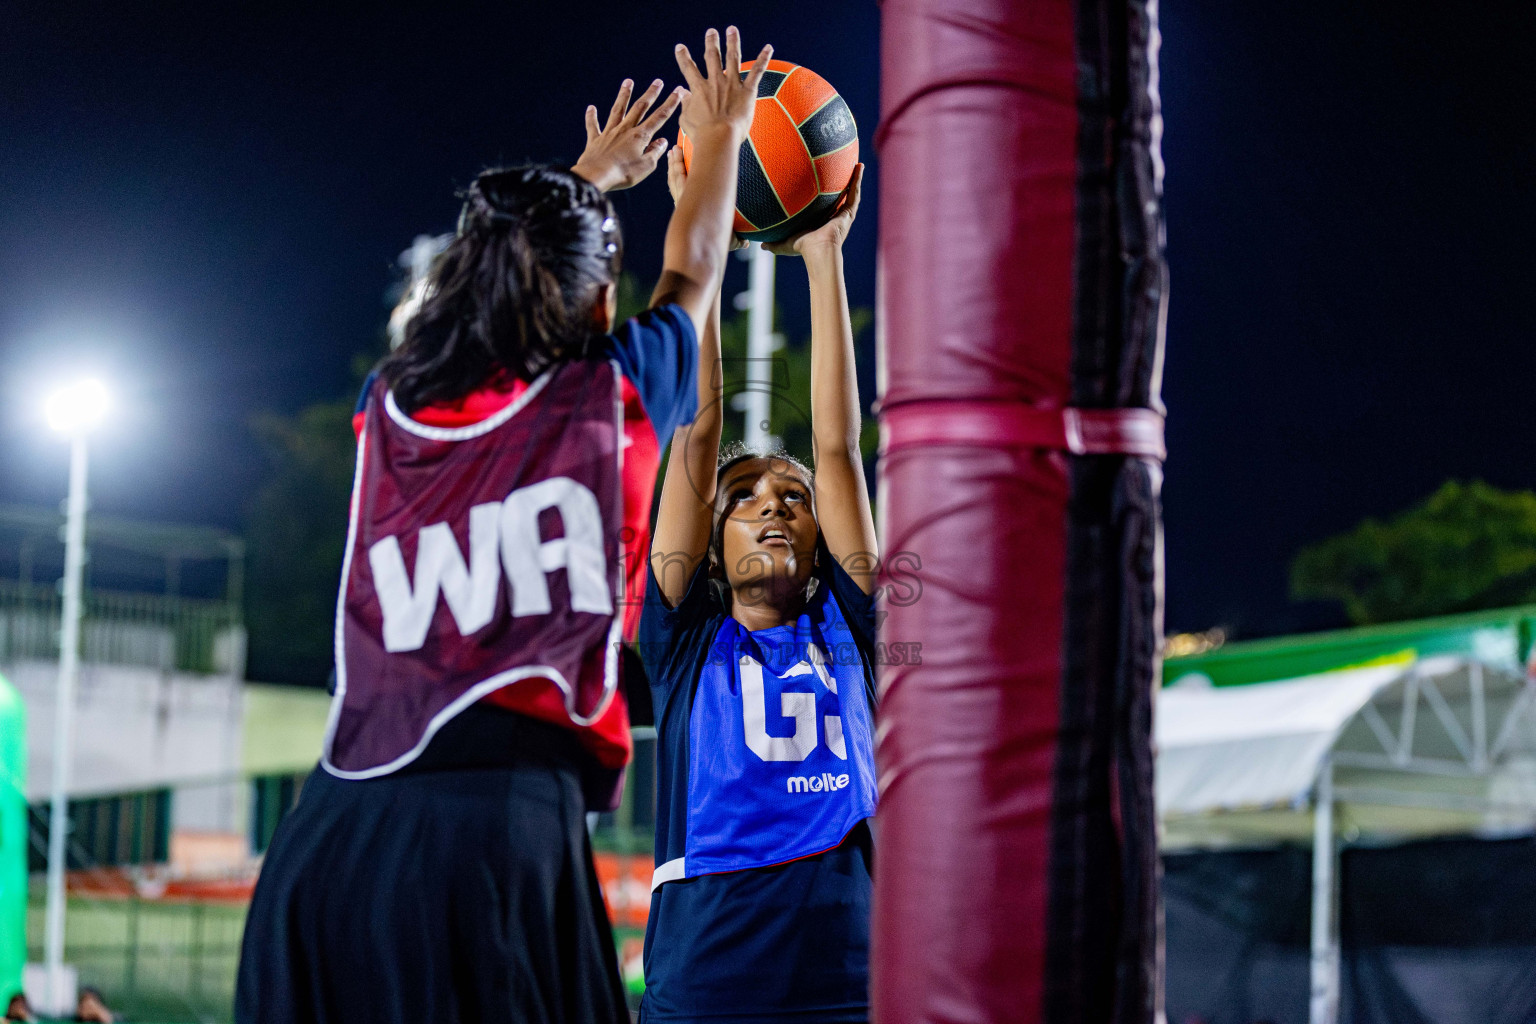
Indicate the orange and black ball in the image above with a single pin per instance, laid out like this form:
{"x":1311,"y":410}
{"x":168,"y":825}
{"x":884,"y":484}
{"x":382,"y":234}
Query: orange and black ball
{"x":799,"y":158}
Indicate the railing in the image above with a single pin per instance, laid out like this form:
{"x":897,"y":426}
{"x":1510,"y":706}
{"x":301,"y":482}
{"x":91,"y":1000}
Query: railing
{"x":154,"y":916}
{"x":155,"y":959}
{"x":159,"y":883}
{"x":178,"y":633}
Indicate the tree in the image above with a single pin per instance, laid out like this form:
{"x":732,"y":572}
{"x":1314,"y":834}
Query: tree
{"x":297,"y":531}
{"x":1467,"y":547}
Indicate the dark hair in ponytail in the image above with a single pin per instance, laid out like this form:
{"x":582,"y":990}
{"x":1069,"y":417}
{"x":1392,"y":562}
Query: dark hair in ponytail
{"x":512,"y":294}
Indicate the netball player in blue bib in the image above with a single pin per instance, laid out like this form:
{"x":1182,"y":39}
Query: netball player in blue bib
{"x":758,"y":633}
{"x":437,"y":866}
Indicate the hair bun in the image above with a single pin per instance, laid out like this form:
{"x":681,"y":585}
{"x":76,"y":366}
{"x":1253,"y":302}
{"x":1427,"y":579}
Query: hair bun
{"x":514,"y":291}
{"x":533,"y":197}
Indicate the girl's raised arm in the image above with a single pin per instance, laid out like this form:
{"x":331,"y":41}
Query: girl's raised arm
{"x":681,"y":539}
{"x":717,"y":114}
{"x":842,"y":497}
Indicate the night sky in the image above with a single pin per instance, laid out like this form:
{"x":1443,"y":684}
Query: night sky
{"x":203,"y":203}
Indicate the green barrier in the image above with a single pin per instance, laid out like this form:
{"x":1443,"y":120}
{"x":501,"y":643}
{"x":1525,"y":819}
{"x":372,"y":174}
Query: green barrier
{"x":13,"y":837}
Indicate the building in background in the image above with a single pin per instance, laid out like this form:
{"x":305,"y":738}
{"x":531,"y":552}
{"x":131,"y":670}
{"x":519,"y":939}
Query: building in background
{"x":180,"y":769}
{"x":159,"y":700}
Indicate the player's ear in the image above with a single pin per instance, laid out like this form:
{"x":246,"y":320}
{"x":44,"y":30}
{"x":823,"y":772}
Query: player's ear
{"x":605,"y":306}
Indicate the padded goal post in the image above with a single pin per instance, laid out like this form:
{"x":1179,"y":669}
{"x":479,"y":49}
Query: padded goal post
{"x":1021,"y":310}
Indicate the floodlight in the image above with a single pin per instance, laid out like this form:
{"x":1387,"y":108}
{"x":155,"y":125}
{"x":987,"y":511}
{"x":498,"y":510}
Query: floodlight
{"x":78,"y":407}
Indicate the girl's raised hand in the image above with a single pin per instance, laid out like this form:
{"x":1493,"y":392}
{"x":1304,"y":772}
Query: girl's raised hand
{"x":831,"y":234}
{"x":718,"y":97}
{"x":677,"y":177}
{"x":624,"y":151}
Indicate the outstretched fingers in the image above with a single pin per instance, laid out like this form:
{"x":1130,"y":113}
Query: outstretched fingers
{"x":659,"y":116}
{"x":712,"y":52}
{"x":642,"y":104}
{"x":620,"y":103}
{"x":759,"y":68}
{"x":849,"y":205}
{"x":721,"y":94}
{"x":691,"y":73}
{"x":594,"y":129}
{"x":677,"y":177}
{"x":733,"y":52}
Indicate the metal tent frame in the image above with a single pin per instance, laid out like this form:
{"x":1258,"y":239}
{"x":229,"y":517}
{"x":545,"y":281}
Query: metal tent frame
{"x":1438,"y":704}
{"x":1436,"y":746}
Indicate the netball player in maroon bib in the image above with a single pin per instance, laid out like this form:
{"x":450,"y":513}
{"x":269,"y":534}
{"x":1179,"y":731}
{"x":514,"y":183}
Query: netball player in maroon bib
{"x":436,"y":866}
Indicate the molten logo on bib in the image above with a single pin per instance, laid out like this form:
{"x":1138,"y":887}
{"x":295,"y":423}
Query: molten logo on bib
{"x":826,"y":782}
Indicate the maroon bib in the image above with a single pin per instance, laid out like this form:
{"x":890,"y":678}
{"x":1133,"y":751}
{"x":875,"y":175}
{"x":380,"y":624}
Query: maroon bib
{"x":477,"y":557}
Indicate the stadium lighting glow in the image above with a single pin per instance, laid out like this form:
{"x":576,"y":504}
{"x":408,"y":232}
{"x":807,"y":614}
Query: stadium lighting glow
{"x":78,"y":407}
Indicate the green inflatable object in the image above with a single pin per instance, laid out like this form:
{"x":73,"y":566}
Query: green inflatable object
{"x":13,"y":837}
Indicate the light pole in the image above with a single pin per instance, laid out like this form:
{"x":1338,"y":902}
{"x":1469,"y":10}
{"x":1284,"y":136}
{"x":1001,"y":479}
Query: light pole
{"x":71,"y":411}
{"x":756,"y":398}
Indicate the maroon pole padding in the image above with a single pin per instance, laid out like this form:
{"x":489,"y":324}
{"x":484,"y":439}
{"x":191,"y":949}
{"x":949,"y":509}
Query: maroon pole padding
{"x":1020,"y":254}
{"x":978,"y":169}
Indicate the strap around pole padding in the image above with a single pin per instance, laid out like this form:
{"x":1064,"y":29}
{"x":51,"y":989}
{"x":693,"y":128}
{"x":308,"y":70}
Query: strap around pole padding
{"x":1135,"y":432}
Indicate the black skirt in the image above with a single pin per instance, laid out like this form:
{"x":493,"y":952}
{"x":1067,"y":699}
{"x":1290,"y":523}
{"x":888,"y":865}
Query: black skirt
{"x":460,"y":889}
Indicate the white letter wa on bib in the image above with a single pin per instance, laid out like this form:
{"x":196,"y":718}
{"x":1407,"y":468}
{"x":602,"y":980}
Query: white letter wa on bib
{"x":507,"y":528}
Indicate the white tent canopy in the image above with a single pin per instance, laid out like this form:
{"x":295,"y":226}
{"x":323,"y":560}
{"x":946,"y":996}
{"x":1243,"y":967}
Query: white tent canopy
{"x":1398,"y":750}
{"x":1250,"y":747}
{"x":1440,"y":746}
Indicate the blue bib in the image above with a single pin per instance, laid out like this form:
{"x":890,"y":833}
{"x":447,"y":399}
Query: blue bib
{"x":781,"y":745}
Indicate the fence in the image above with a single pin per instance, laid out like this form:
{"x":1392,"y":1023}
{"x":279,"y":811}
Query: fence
{"x":158,"y":888}
{"x":173,"y":633}
{"x":160,"y":880}
{"x":152,"y":959}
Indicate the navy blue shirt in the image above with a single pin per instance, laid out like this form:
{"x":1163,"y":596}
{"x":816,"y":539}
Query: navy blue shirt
{"x":659,"y":354}
{"x":786,"y":942}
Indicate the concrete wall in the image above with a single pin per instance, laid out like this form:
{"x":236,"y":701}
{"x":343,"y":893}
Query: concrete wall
{"x":201,"y":736}
{"x":138,"y":729}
